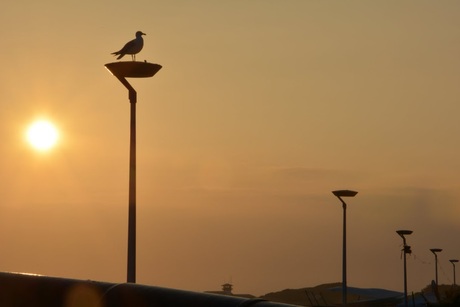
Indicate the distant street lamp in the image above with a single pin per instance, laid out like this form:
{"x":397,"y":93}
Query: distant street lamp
{"x":454,"y":261}
{"x":123,"y":70}
{"x":434,"y":251}
{"x":339,"y":194}
{"x":406,"y":250}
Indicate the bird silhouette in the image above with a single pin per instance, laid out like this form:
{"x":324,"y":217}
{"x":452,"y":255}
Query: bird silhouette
{"x":132,"y":47}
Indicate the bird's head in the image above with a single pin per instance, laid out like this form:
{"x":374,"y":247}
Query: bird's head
{"x":140,"y":33}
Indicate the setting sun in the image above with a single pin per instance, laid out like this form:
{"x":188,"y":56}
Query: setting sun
{"x":42,"y":135}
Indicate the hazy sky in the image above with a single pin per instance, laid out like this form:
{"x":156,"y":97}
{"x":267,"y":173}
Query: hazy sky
{"x":262,"y":108}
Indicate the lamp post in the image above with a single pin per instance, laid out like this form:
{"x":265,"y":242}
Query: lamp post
{"x":123,"y":70}
{"x":339,"y":194}
{"x":454,"y":261}
{"x":435,"y":251}
{"x":406,"y":250}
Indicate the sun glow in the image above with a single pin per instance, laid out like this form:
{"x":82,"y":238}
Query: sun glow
{"x":42,"y":135}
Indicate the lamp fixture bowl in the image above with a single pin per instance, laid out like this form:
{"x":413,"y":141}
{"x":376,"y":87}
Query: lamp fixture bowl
{"x":132,"y":69}
{"x":344,"y":193}
{"x":404,"y":232}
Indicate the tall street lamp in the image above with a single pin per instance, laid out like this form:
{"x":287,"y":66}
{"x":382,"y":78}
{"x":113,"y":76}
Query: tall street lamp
{"x":123,"y":70}
{"x":435,"y":251}
{"x":339,"y":194}
{"x":406,"y":250}
{"x":454,"y":261}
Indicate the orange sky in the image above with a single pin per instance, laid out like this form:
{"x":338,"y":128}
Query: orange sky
{"x":262,"y":108}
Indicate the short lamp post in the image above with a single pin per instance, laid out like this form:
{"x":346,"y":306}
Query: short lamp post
{"x":123,"y":70}
{"x":406,"y":250}
{"x":454,"y":261}
{"x":339,"y":194}
{"x":435,"y":251}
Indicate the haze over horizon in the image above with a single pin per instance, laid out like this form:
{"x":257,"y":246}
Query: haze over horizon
{"x":262,"y":108}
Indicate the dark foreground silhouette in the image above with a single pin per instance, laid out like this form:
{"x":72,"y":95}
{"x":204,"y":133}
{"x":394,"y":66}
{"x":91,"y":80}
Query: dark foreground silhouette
{"x":20,"y":290}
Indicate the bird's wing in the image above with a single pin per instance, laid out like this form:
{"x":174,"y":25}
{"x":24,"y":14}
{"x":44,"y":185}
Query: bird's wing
{"x":128,"y":46}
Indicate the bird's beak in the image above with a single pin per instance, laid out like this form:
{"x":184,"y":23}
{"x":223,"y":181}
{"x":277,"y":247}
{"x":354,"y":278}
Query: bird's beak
{"x":144,"y":34}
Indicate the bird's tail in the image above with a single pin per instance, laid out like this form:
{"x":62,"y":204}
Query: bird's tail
{"x":120,"y":55}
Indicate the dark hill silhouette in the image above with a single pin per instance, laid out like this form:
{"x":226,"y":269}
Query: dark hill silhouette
{"x":331,"y":295}
{"x":309,"y":296}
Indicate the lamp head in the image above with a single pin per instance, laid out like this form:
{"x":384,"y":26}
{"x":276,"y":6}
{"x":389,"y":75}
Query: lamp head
{"x":453,"y":261}
{"x":344,"y":193}
{"x":133,"y":69}
{"x":403,"y":233}
{"x":435,"y":250}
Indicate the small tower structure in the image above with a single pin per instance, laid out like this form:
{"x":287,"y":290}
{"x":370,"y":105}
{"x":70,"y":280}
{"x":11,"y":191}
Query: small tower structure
{"x":227,"y":288}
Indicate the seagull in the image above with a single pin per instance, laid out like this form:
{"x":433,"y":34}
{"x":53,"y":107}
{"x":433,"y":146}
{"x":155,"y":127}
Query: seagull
{"x":132,"y":47}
